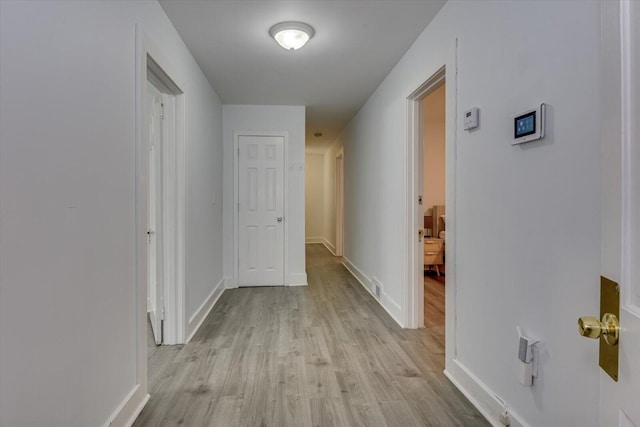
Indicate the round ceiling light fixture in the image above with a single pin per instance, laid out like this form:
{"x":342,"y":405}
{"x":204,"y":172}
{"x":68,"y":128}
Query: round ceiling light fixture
{"x":291,"y":35}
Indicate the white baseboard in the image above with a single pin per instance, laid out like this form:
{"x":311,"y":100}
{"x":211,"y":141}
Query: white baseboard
{"x":127,"y":412}
{"x":390,"y":306}
{"x":201,"y":313}
{"x":138,"y":410}
{"x":323,"y":241}
{"x":297,"y":279}
{"x":482,"y":397}
{"x":230,"y":283}
{"x":329,"y":246}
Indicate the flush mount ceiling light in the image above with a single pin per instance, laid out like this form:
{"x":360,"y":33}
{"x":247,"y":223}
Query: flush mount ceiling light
{"x":291,"y":35}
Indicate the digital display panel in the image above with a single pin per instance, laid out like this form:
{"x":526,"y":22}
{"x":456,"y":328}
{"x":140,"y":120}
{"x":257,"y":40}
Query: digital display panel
{"x":524,"y":125}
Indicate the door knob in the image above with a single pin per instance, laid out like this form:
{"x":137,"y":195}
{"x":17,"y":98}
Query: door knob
{"x":279,"y":219}
{"x":608,"y":328}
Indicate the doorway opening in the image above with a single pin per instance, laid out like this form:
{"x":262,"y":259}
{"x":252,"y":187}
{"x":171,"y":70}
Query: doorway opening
{"x":430,"y":255}
{"x":158,"y":94}
{"x":162,"y":130}
{"x":434,"y":209}
{"x":339,"y":203}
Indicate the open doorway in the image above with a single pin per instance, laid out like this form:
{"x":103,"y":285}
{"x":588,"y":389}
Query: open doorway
{"x":156,"y":134}
{"x":434,"y":210}
{"x":158,"y":94}
{"x":439,"y":248}
{"x":339,"y":203}
{"x":165,"y":205}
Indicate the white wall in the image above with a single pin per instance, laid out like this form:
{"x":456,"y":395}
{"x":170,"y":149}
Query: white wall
{"x":269,"y":118}
{"x":329,"y":229}
{"x":528,"y":217}
{"x":434,"y":149}
{"x":314,"y":196}
{"x":67,"y":204}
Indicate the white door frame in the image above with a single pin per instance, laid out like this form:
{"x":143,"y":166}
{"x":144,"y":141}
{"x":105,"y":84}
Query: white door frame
{"x":173,"y":183}
{"x":155,"y":266}
{"x":339,"y":202}
{"x":151,"y":65}
{"x":236,"y":200}
{"x":415,"y":133}
{"x":414,"y":214}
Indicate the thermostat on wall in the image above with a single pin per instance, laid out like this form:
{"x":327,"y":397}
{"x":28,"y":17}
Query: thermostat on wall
{"x":471,"y":118}
{"x":529,"y":126}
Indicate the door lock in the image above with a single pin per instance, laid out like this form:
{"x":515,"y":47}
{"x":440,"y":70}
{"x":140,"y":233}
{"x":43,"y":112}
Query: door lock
{"x":608,"y":328}
{"x":420,"y":234}
{"x":279,"y":219}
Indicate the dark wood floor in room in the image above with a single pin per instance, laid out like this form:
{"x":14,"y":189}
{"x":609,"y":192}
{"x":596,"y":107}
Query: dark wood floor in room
{"x":322,"y":355}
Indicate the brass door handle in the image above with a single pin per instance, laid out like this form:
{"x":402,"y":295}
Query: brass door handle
{"x":608,"y":328}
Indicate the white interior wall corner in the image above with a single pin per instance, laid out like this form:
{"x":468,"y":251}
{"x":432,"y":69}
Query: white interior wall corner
{"x":517,"y":234}
{"x":66,"y":182}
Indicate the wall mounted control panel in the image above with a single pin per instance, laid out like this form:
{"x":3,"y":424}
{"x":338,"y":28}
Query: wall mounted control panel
{"x":529,"y":125}
{"x":471,"y":118}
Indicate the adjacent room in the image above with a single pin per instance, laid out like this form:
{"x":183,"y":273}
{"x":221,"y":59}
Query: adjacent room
{"x":434,"y":177}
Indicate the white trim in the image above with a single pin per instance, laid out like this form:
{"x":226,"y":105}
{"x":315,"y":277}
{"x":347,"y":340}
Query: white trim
{"x":356,"y":272}
{"x":236,"y":136}
{"x":129,"y":409}
{"x":338,"y":249}
{"x":173,"y":234}
{"x":196,"y":320}
{"x":327,"y":244}
{"x":413,"y":279}
{"x":230,"y":283}
{"x":297,"y":279}
{"x":481,"y":396}
{"x":451,"y":160}
{"x":414,"y":285}
{"x":390,"y":306}
{"x":321,"y":241}
{"x":140,"y":219}
{"x":312,"y":240}
{"x":630,"y":206}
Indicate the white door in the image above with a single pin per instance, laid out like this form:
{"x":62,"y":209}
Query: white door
{"x":260,"y":210}
{"x":155,"y":301}
{"x":620,"y":401}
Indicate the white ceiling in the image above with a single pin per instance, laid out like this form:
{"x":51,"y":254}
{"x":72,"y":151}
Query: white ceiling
{"x":357,"y":43}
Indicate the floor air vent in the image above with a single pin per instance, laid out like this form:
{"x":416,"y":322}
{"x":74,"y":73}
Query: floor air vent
{"x":377,"y":288}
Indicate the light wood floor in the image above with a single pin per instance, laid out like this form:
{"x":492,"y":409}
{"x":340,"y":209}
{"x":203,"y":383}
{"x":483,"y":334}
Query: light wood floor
{"x":323,"y":355}
{"x":434,"y":293}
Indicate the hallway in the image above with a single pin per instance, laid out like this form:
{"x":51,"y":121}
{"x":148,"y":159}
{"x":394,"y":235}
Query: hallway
{"x":322,"y":355}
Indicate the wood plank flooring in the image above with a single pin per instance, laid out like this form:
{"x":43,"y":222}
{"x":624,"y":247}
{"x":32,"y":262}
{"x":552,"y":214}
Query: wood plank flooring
{"x":323,"y":355}
{"x":434,"y":299}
